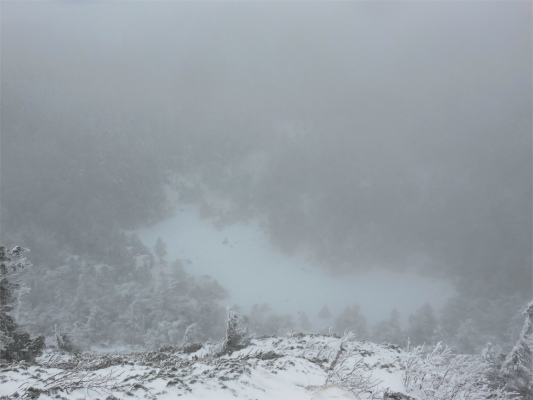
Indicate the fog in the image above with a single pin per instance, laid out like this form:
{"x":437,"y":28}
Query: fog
{"x":239,"y":254}
{"x":384,"y":147}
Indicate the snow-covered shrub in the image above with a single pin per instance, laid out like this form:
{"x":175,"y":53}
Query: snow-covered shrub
{"x":350,"y":372}
{"x":79,"y":376}
{"x":438,"y":374}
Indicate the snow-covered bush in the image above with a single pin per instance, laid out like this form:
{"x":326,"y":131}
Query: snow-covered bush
{"x":438,"y":374}
{"x":351,"y":373}
{"x":78,"y":376}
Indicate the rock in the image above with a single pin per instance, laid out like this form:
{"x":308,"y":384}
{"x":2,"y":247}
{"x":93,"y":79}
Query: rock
{"x":396,"y":396}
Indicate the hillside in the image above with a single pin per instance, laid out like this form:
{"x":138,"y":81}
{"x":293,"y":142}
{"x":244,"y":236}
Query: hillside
{"x":295,"y":366}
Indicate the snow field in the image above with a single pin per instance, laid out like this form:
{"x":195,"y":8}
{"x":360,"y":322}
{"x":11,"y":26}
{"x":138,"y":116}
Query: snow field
{"x":296,"y":367}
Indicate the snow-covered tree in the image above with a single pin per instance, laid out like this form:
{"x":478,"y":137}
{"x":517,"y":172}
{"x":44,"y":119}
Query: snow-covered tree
{"x":466,"y":323}
{"x":351,"y":320}
{"x":422,"y":326}
{"x":324,"y":313}
{"x":14,"y":343}
{"x":236,"y":333}
{"x":517,"y":369}
{"x":63,"y":341}
{"x":304,"y":322}
{"x":390,"y":330}
{"x":11,"y":261}
{"x":278,"y":324}
{"x":160,"y":250}
{"x":263,"y":321}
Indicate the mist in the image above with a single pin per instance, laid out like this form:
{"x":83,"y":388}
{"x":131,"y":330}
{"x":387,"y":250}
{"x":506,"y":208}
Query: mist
{"x":383,"y":149}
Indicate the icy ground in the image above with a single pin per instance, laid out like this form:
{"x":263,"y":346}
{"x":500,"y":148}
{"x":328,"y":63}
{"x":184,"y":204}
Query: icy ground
{"x":293,"y":367}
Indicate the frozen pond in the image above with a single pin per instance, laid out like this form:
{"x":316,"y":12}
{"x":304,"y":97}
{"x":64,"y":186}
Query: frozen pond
{"x":241,"y":258}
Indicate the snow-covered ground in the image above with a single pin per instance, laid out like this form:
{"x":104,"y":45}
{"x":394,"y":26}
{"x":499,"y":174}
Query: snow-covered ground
{"x":292,"y":367}
{"x":241,"y":258}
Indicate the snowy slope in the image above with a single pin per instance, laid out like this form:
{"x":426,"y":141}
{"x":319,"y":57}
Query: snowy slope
{"x":297,"y":367}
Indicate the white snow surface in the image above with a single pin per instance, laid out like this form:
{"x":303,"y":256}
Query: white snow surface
{"x":242,"y":259}
{"x":295,"y":366}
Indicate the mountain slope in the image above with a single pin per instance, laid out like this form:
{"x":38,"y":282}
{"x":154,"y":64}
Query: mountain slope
{"x":296,"y":366}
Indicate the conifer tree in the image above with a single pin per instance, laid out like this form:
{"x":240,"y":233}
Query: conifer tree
{"x":324,"y":313}
{"x":236,"y":333}
{"x":14,"y":343}
{"x":351,"y":320}
{"x":390,"y":330}
{"x":160,"y":250}
{"x":305,"y":324}
{"x":422,"y":325}
{"x":517,"y":369}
